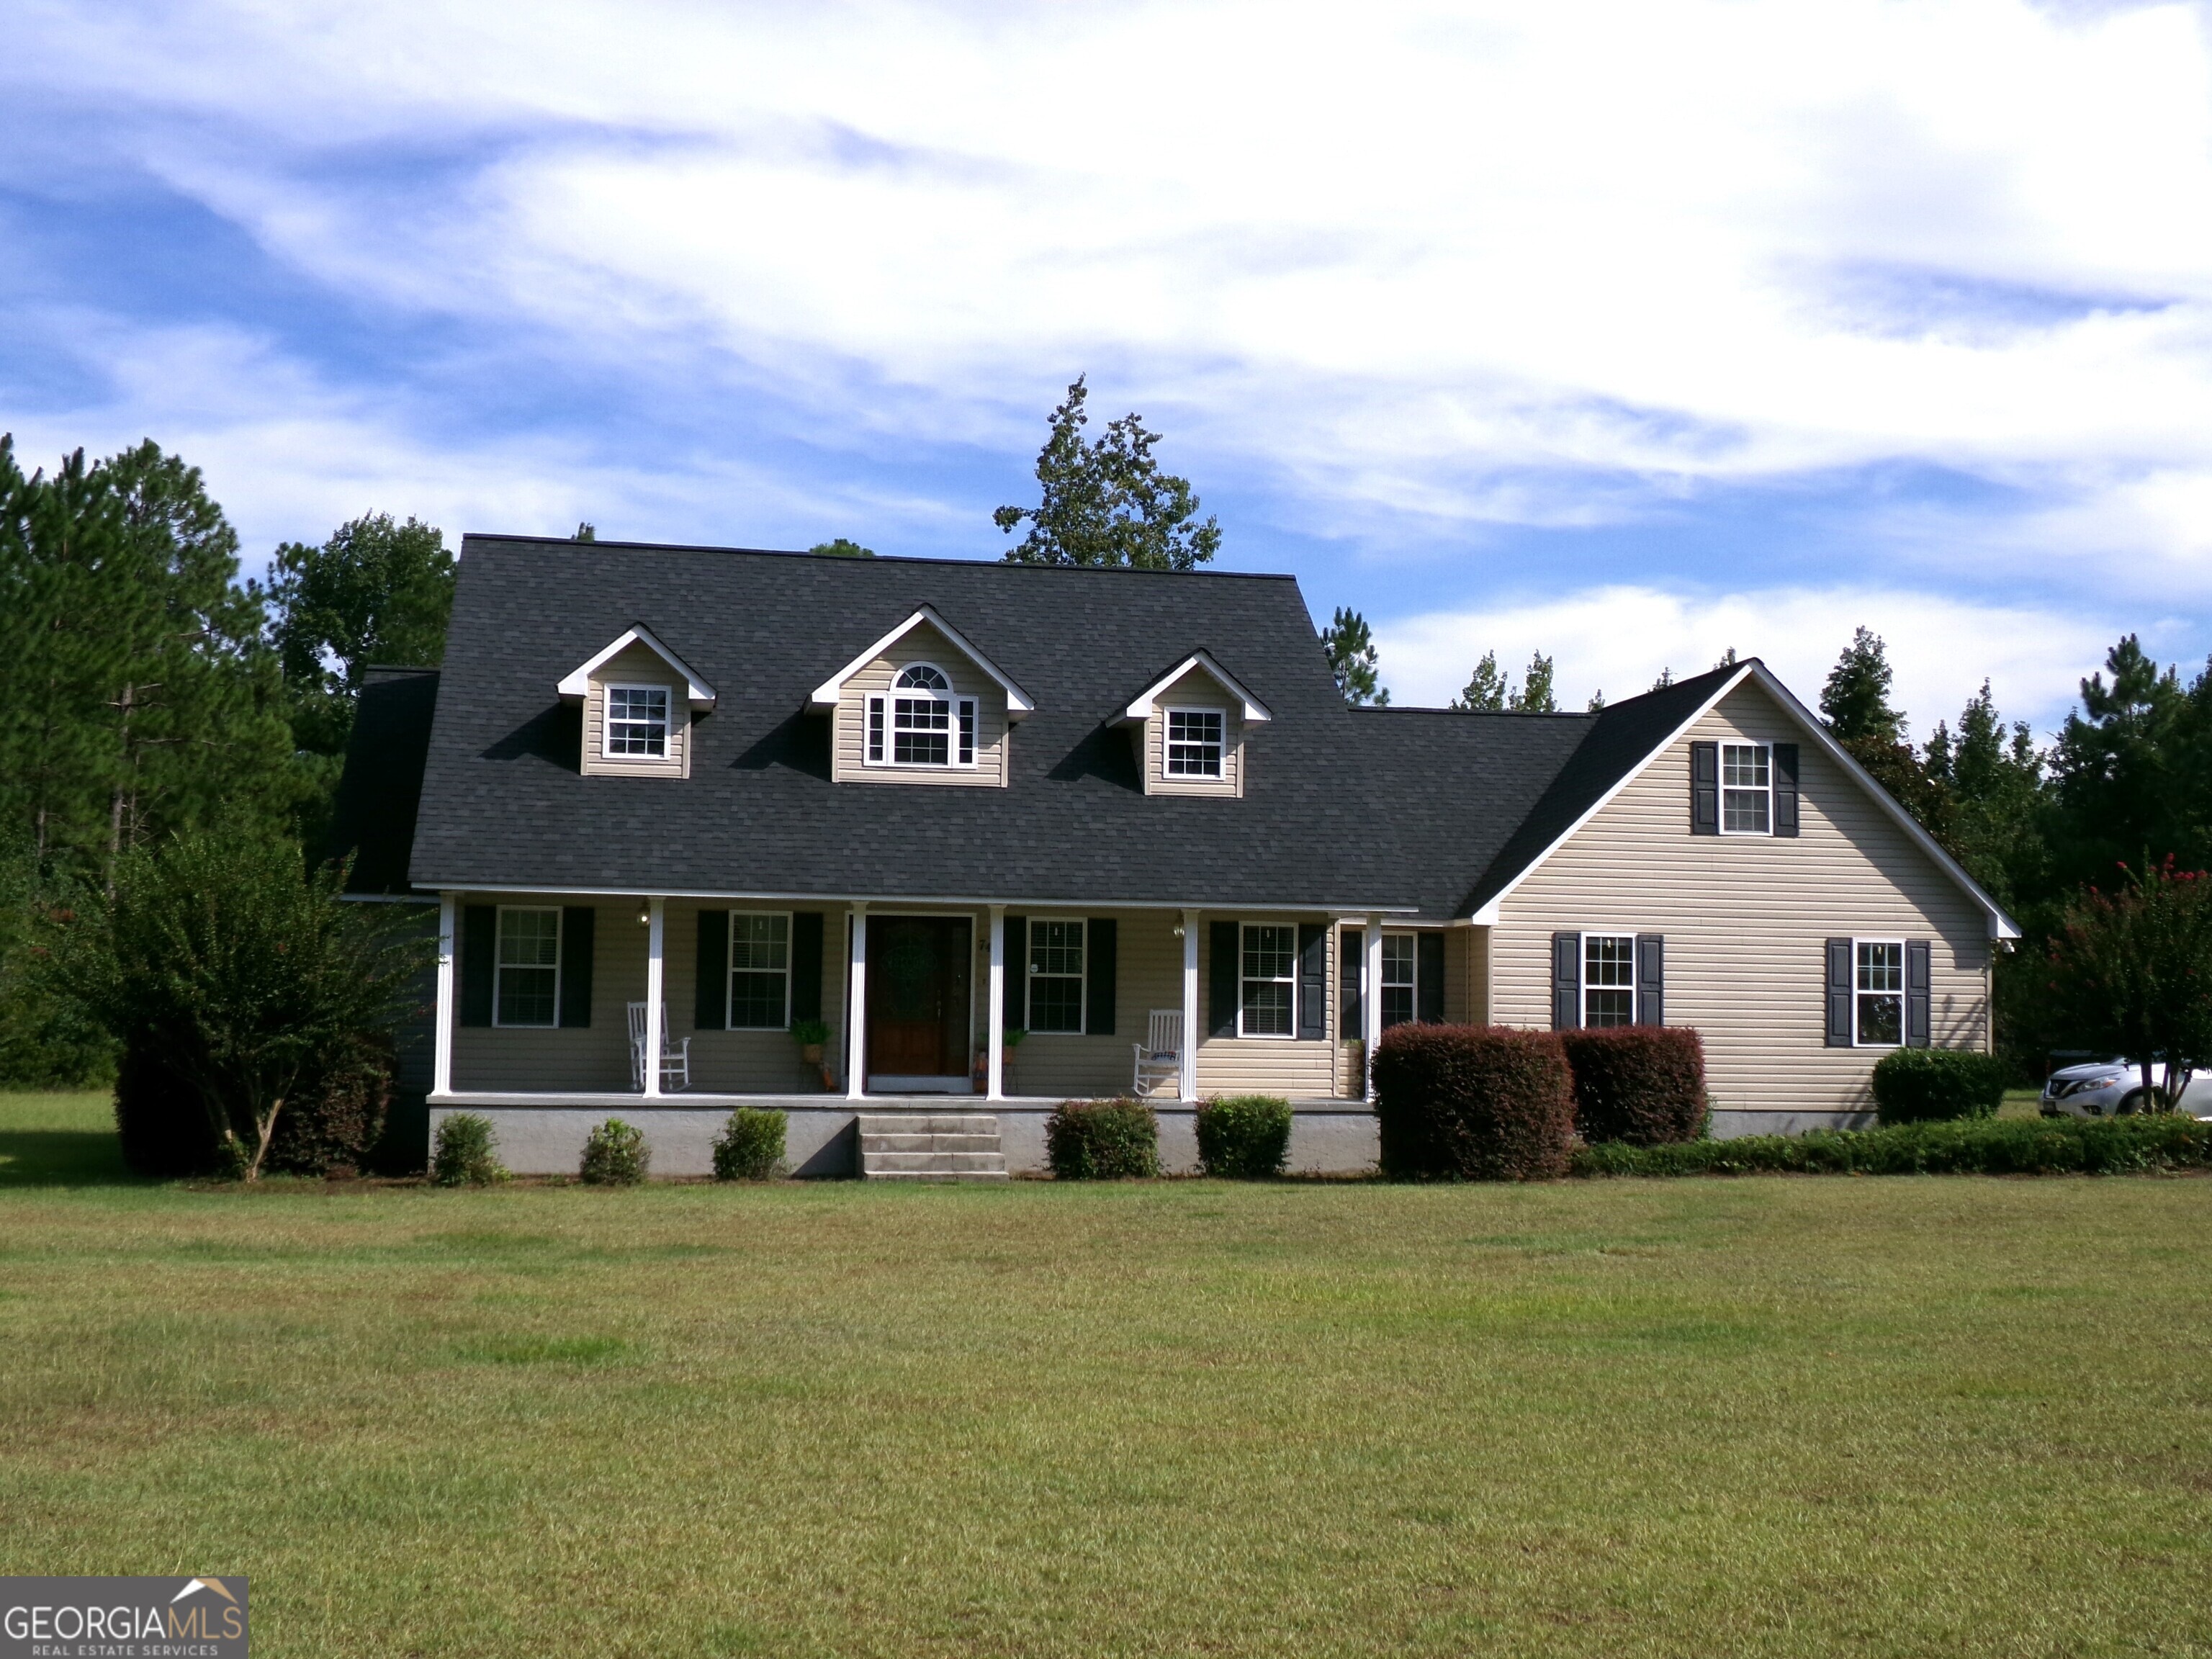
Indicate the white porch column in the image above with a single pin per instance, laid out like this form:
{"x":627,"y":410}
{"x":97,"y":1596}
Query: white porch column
{"x":994,"y":1017}
{"x":1371,"y":1004}
{"x":442,"y":1041}
{"x":1187,"y":1084}
{"x":655,"y":1015}
{"x":856,"y":1009}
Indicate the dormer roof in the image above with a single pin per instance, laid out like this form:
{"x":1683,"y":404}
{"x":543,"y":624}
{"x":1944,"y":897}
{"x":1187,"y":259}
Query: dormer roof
{"x":576,"y":683}
{"x":826,"y":694}
{"x":1141,"y":707}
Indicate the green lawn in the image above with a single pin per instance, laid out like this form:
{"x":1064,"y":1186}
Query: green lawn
{"x":1817,"y":1415}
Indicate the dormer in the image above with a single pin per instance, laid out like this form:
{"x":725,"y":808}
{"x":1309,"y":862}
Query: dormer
{"x":920,"y":705}
{"x":639,"y":701}
{"x":1190,"y":726}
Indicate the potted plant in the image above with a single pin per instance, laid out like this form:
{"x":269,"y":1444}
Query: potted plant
{"x":813,"y":1036}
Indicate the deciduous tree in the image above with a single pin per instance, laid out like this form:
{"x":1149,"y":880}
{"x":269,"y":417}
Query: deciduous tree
{"x":1107,"y":503}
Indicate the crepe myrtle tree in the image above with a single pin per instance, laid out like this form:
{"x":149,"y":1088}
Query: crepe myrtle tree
{"x":2130,"y":972}
{"x":227,"y":964}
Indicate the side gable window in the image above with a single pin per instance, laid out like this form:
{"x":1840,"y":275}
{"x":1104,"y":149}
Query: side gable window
{"x":1608,"y":979}
{"x":637,"y":722}
{"x":529,"y":967}
{"x":1746,"y":789}
{"x":1879,"y":998}
{"x":1193,"y":743}
{"x":919,"y":722}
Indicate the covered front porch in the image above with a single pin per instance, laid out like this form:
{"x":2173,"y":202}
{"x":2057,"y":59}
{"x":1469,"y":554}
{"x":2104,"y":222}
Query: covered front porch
{"x":558,"y":996}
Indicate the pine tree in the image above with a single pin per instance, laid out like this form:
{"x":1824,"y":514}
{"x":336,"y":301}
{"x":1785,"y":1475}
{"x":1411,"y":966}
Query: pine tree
{"x":1107,"y":503}
{"x":1535,"y":697}
{"x":1350,"y":645}
{"x":1485,"y":688}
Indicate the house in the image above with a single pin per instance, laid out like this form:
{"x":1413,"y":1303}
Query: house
{"x":675,"y":800}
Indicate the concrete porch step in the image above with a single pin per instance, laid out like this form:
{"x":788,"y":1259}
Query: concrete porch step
{"x":930,"y":1146}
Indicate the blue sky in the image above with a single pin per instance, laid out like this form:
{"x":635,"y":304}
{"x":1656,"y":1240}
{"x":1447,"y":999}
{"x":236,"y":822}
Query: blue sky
{"x":1629,"y":332}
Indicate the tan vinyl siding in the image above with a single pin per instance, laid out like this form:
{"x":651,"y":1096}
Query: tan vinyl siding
{"x":848,"y":758}
{"x":1147,"y":974}
{"x":751,"y":1061}
{"x":636,"y":665}
{"x":1744,"y":919}
{"x":1467,"y":976}
{"x":1195,"y":689}
{"x":1290,"y":1066}
{"x":591,"y":1057}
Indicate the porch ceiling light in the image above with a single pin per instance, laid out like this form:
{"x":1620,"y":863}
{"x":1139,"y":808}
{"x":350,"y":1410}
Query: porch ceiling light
{"x":645,"y":915}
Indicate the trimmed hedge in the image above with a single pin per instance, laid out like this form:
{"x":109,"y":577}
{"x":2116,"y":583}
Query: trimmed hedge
{"x":750,"y":1146}
{"x":615,"y":1155}
{"x":1933,"y":1086}
{"x":465,"y":1155}
{"x":1244,"y":1137}
{"x":1972,"y":1146}
{"x":1644,"y":1085}
{"x":1479,"y":1102}
{"x":1102,"y":1140}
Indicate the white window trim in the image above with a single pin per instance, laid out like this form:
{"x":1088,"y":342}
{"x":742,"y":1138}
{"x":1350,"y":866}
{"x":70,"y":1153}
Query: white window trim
{"x":607,"y":690}
{"x":1583,"y":1013}
{"x":963,"y":708}
{"x":731,"y":971}
{"x":1720,"y":806}
{"x":1904,"y":994}
{"x":1414,"y":984}
{"x":1244,"y":979}
{"x":499,"y":967}
{"x":1030,"y":975}
{"x":1220,"y":773}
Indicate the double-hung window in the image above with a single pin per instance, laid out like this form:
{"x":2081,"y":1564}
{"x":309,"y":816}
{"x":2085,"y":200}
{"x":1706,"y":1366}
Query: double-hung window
{"x":1608,"y":979}
{"x":1878,"y":992}
{"x":1746,"y":789}
{"x":1056,"y":963}
{"x":637,"y":722}
{"x":760,"y":971}
{"x":529,"y":967}
{"x":1193,"y":743}
{"x":1398,"y":974}
{"x":1269,"y":1004}
{"x":919,"y":722}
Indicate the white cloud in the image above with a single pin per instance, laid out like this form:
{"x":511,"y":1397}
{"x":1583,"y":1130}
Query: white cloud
{"x":1479,"y":262}
{"x":1616,"y":639}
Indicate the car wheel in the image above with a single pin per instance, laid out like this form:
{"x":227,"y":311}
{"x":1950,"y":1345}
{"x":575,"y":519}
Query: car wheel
{"x":2141,"y":1100}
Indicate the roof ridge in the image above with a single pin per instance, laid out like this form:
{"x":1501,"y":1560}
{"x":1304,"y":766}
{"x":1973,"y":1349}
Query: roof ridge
{"x":878,"y":559}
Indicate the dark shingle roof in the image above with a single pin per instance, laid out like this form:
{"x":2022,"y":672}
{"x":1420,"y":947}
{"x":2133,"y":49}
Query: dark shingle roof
{"x":503,"y":804}
{"x":372,"y":817}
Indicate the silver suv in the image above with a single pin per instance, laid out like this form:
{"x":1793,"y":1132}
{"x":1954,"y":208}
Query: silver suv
{"x":2102,"y":1088}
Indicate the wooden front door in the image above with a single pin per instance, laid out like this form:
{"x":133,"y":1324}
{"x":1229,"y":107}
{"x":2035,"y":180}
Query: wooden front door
{"x":918,"y":969}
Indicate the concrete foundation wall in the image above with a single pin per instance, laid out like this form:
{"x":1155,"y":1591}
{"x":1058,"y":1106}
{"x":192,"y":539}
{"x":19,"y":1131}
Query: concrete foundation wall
{"x":820,"y":1140}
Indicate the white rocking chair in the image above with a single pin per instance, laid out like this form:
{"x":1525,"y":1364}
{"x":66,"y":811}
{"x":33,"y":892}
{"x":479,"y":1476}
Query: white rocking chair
{"x":675,"y":1054}
{"x":1159,"y":1057}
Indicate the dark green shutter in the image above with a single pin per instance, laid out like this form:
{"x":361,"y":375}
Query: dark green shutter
{"x":711,"y":995}
{"x":1221,"y":977}
{"x":1352,"y":972}
{"x":1566,"y":981}
{"x":1017,"y":974}
{"x":1919,"y":1026}
{"x":1785,"y":788}
{"x":1705,"y":789}
{"x":577,"y":929}
{"x":479,"y":952}
{"x":806,"y":965}
{"x":1099,"y":946}
{"x":1429,"y":978}
{"x":1651,"y":979}
{"x":1840,"y":994}
{"x":1313,"y":981}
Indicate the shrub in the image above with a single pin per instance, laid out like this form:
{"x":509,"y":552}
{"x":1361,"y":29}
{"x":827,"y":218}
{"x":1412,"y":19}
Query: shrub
{"x":1970,"y":1146}
{"x":1102,"y":1140}
{"x":464,"y":1157}
{"x":1244,"y":1137}
{"x":615,"y":1155}
{"x":1644,"y":1085}
{"x":1930,"y":1085}
{"x":336,"y":1115}
{"x":1483,"y":1102}
{"x":751,"y":1146}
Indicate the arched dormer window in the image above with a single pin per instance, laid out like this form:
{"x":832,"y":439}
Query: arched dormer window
{"x":920,"y":722}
